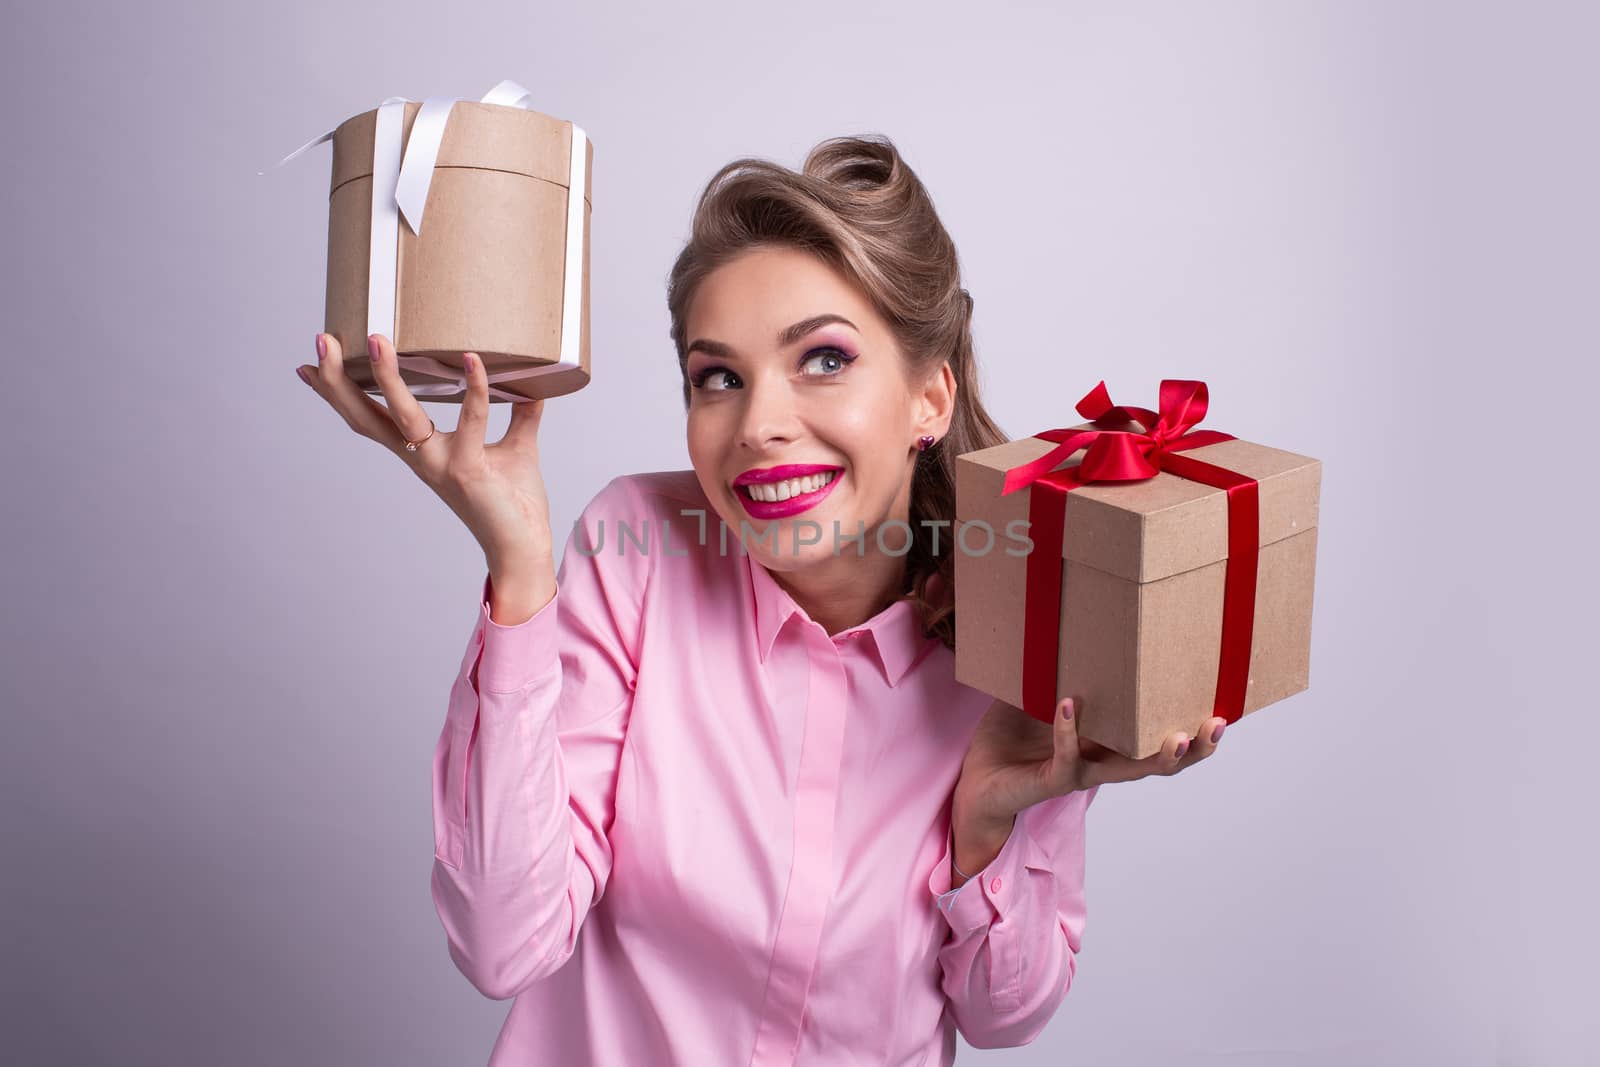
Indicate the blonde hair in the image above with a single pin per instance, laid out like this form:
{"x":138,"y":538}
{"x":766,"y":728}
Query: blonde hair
{"x":857,"y":206}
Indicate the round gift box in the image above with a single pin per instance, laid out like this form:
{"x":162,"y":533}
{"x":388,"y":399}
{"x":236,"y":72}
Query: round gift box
{"x":487,"y":274}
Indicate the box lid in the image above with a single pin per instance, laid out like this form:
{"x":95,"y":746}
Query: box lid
{"x":1148,"y":530}
{"x":479,"y":136}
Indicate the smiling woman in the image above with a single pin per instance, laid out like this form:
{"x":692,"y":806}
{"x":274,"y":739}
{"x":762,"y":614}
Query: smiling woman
{"x":694,"y":807}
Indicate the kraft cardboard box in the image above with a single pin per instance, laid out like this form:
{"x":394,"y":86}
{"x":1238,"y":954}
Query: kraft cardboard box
{"x":489,"y":270}
{"x":1141,"y":593}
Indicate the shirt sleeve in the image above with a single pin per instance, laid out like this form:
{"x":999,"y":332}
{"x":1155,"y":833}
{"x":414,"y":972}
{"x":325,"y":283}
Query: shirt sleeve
{"x":1016,"y":927}
{"x":525,"y":769}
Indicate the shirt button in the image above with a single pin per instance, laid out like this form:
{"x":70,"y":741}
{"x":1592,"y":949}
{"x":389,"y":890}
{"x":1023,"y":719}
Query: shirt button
{"x":994,"y":886}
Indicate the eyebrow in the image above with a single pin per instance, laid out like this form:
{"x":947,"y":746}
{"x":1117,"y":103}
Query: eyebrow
{"x":789,"y":336}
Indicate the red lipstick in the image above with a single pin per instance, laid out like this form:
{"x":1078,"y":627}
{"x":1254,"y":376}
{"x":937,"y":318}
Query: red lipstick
{"x":778,"y":509}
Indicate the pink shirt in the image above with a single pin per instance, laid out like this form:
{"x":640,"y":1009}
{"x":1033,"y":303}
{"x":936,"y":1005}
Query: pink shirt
{"x":681,"y":824}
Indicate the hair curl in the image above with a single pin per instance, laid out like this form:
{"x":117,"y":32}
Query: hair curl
{"x":859,"y":207}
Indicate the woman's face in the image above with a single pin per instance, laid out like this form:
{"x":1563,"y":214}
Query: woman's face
{"x":790,"y":367}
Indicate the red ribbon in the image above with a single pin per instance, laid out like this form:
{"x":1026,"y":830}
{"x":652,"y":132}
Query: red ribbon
{"x":1125,"y":456}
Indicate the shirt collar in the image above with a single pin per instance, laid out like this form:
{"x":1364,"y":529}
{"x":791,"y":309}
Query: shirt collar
{"x":896,"y":634}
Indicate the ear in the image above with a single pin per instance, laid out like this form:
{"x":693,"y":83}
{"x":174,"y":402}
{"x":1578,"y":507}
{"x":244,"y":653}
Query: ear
{"x":936,"y":402}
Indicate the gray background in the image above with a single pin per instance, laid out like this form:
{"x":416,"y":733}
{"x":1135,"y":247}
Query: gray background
{"x":232,"y":624}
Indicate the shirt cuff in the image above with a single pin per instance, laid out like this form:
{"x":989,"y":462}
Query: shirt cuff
{"x":947,"y":899}
{"x":514,"y":657}
{"x":995,"y":885}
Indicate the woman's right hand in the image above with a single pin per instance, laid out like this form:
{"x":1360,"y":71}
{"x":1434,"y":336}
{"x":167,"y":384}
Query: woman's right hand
{"x":496,"y":490}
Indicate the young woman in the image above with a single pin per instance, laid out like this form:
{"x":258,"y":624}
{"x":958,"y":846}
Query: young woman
{"x":711,"y":794}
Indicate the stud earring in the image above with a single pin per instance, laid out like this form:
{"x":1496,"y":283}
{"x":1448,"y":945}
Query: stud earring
{"x":925,"y":442}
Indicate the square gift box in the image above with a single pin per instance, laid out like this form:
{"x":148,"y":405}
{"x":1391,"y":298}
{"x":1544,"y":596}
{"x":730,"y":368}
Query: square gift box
{"x":1136,"y":598}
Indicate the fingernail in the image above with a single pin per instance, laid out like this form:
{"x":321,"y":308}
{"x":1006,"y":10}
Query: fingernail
{"x":1183,"y":747}
{"x":469,"y":360}
{"x":1216,"y":735}
{"x":322,"y":348}
{"x":304,"y":377}
{"x":372,"y":347}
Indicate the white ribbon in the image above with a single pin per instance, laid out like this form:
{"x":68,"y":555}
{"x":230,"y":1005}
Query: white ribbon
{"x":400,"y":186}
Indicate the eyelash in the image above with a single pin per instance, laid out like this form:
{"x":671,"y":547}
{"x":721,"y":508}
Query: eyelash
{"x":699,"y":380}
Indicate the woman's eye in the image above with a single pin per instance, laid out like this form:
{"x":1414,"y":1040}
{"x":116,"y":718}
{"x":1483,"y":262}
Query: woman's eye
{"x":711,"y":375}
{"x":832,"y":359}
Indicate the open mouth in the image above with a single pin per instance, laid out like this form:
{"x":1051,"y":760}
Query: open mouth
{"x":775,"y":492}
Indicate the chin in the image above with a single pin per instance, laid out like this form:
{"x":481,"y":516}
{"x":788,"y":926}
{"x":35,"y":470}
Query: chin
{"x":787,"y":560}
{"x":772,"y":541}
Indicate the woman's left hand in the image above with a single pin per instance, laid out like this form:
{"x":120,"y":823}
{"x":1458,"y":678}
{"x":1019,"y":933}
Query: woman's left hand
{"x":1014,"y":760}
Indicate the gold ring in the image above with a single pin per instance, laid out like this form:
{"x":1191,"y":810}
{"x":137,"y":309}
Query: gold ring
{"x":411,"y":446}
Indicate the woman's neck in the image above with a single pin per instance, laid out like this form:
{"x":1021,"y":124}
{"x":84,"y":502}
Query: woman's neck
{"x":846,"y":590}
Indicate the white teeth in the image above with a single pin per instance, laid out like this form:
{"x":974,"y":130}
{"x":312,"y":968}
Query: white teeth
{"x":772,"y":492}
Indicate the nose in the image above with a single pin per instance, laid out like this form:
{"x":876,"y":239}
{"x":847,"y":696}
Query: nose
{"x":769,"y":416}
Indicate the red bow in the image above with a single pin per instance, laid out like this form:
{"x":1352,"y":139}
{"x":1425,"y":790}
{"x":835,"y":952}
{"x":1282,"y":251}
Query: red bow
{"x":1122,"y":455}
